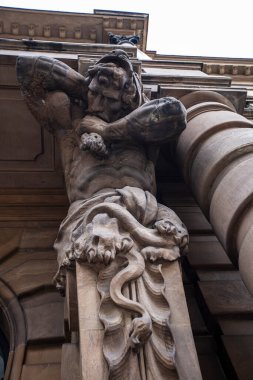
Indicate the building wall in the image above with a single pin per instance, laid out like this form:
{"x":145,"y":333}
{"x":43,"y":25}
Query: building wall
{"x":33,"y":202}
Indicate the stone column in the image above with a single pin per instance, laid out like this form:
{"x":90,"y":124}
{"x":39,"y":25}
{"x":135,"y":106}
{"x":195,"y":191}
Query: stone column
{"x":215,"y":153}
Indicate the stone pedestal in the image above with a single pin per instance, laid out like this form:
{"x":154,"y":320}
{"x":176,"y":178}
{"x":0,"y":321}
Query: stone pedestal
{"x":93,"y":364}
{"x":91,"y":330}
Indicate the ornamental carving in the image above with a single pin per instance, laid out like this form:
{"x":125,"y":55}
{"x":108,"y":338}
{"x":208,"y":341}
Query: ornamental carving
{"x":109,"y":134}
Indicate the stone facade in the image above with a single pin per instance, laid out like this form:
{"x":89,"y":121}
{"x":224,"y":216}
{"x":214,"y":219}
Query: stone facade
{"x":35,"y":318}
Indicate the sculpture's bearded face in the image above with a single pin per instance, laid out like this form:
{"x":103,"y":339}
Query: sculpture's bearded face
{"x":107,"y":93}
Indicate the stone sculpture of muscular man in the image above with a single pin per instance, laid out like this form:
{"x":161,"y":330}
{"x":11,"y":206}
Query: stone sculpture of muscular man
{"x":109,"y":134}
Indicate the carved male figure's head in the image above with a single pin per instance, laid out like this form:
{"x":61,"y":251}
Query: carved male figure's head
{"x":113,"y":88}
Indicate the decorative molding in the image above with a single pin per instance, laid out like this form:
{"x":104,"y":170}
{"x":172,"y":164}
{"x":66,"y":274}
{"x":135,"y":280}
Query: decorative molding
{"x":62,"y":32}
{"x":15,"y":29}
{"x":71,"y":27}
{"x":228,"y":69}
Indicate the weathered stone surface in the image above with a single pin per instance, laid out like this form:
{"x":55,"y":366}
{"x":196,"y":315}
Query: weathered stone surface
{"x":41,"y":372}
{"x":91,"y":329}
{"x":43,"y":354}
{"x":70,"y":362}
{"x":231,"y":297}
{"x":22,"y":209}
{"x":215,"y":154}
{"x":206,"y":252}
{"x":30,"y":272}
{"x":180,"y":322}
{"x":66,"y":27}
{"x":109,"y":136}
{"x":49,"y":307}
{"x":221,"y":275}
{"x":236,"y":326}
{"x":240,"y":351}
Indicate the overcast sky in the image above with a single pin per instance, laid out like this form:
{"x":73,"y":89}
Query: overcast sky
{"x":221,"y":28}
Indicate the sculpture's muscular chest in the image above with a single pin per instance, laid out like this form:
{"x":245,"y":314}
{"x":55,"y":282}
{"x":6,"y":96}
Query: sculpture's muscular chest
{"x":86,"y":174}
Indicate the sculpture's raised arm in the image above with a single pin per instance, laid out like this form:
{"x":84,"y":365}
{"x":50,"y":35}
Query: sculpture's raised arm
{"x":157,"y":121}
{"x":108,"y":101}
{"x":51,"y":74}
{"x":51,"y":89}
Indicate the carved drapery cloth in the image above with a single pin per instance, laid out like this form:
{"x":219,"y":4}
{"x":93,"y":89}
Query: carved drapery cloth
{"x":125,"y":235}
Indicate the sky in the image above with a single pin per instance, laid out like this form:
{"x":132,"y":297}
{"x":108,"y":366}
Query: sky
{"x":215,"y":28}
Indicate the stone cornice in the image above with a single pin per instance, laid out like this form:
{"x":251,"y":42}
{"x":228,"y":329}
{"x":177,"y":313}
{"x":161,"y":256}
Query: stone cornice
{"x":234,"y":67}
{"x":229,"y":69}
{"x":71,"y":27}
